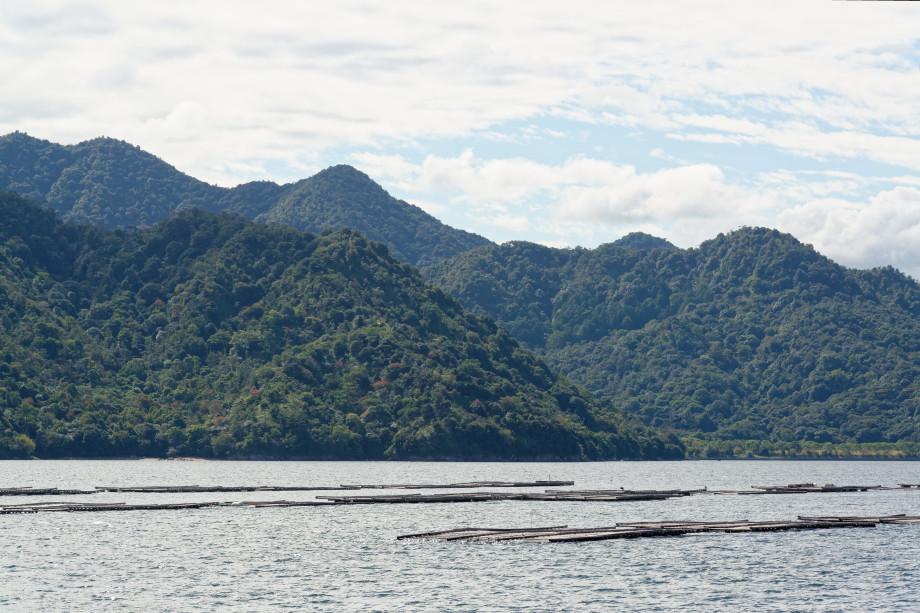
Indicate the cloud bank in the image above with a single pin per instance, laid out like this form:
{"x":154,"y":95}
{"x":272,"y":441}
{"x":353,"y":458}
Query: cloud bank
{"x":683,"y":120}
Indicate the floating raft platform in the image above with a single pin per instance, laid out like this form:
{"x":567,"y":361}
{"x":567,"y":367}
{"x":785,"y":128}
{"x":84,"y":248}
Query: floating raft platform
{"x":617,"y":495}
{"x":630,"y":530}
{"x":201,"y":489}
{"x":78,"y":507}
{"x":41,"y":491}
{"x":809,"y":488}
{"x":614,"y":496}
{"x":546,"y":496}
{"x":464,"y":485}
{"x":176,"y":489}
{"x":549,"y":495}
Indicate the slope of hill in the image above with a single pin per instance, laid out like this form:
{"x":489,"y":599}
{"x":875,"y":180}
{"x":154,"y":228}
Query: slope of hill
{"x":341,"y":196}
{"x":751,"y":337}
{"x":210,"y":335}
{"x":101,"y":181}
{"x":114,"y":184}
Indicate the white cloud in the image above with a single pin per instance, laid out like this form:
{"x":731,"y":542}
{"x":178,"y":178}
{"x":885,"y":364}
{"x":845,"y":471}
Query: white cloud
{"x":882,"y":231}
{"x":261,"y":90}
{"x":581,"y":189}
{"x":187,"y":122}
{"x":515,"y":223}
{"x":794,"y":187}
{"x":582,"y":200}
{"x":697,"y":191}
{"x":393,"y":166}
{"x":806,"y":140}
{"x":588,"y":201}
{"x":435,"y":209}
{"x":486,"y":182}
{"x":280,"y":78}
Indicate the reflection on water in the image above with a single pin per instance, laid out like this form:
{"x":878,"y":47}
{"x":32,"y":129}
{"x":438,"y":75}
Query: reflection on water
{"x":348,"y":558}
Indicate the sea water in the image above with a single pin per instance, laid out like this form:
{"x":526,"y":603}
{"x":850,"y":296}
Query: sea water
{"x":347,"y":558}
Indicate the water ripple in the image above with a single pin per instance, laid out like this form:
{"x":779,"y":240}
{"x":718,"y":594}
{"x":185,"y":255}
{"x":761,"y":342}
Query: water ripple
{"x":347,"y":558}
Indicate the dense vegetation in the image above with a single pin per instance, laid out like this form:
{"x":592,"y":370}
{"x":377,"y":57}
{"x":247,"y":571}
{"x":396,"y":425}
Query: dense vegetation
{"x":753,"y":343}
{"x":341,"y":197}
{"x":111,"y":183}
{"x":210,"y":335}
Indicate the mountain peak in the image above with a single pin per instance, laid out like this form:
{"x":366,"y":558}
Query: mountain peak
{"x":22,"y":138}
{"x":110,"y":182}
{"x":642,"y":241}
{"x":343,"y":170}
{"x":343,"y":177}
{"x":343,"y":196}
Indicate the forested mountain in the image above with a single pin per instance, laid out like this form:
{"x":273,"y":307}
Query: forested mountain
{"x":114,"y":184}
{"x":214,"y":336}
{"x":753,"y":336}
{"x":748,"y":344}
{"x":329,"y":199}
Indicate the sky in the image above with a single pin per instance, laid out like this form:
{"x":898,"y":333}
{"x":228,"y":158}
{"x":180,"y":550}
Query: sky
{"x":564,"y":123}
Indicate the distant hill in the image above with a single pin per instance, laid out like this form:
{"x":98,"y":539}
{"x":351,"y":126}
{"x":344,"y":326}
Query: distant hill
{"x":753,"y":336}
{"x":344,"y":197}
{"x":114,"y":184}
{"x":209,"y":335}
{"x":643,"y":241}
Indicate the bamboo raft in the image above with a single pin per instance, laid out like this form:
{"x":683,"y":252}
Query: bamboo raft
{"x":210,"y":489}
{"x":44,"y":491}
{"x":630,"y":530}
{"x":185,"y":489}
{"x":546,"y":496}
{"x":79,"y":507}
{"x":806,"y":488}
{"x":617,"y":495}
{"x":463,"y":485}
{"x":171,"y":489}
{"x":549,"y":495}
{"x":350,"y":500}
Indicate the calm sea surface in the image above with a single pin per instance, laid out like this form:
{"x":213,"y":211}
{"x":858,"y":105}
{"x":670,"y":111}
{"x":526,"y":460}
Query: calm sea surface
{"x":348,"y":558}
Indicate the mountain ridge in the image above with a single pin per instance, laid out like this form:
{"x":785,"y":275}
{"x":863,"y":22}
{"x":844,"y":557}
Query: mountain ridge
{"x":115,"y":184}
{"x":212,"y":336}
{"x":751,"y":336}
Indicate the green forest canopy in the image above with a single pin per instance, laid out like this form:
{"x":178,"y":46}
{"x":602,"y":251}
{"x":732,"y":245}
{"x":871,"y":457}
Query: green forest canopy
{"x":114,"y":184}
{"x":753,"y":337}
{"x":209,"y":335}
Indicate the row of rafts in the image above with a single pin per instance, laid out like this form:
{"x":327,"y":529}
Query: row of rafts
{"x":607,"y":495}
{"x":543,"y":535}
{"x":185,"y":489}
{"x":631,"y":530}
